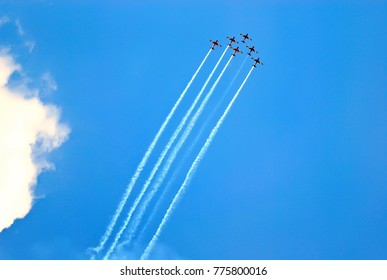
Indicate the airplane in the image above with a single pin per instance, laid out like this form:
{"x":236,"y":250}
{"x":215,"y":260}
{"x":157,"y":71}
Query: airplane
{"x":251,"y":50}
{"x":214,"y":44}
{"x":236,"y":50}
{"x":232,"y":40}
{"x":256,"y":61}
{"x":245,"y":37}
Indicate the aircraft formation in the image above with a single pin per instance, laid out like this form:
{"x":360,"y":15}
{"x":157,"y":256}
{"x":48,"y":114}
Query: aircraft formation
{"x":236,"y":50}
{"x":137,"y":214}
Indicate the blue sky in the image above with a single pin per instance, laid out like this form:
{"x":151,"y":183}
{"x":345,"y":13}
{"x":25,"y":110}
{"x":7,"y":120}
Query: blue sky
{"x":298,"y":169}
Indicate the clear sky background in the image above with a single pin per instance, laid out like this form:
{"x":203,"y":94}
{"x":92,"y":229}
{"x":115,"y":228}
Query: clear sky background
{"x":297,"y":171}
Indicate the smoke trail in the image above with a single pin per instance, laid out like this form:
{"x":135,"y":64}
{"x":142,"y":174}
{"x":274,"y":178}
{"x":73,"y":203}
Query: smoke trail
{"x":137,"y":220}
{"x":173,"y":155}
{"x":191,"y":171}
{"x":143,"y":162}
{"x":233,"y":80}
{"x":214,"y":109}
{"x":161,"y":158}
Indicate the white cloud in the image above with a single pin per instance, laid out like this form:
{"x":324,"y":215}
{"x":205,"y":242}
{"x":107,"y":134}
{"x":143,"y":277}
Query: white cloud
{"x":29,"y":130}
{"x":3,"y":20}
{"x":49,"y":82}
{"x":30,"y":45}
{"x":19,"y":27}
{"x":27,"y":42}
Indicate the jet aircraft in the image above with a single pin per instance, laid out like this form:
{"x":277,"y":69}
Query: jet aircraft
{"x":256,"y":61}
{"x":214,"y":44}
{"x":232,"y":40}
{"x":251,"y":50}
{"x":236,"y":50}
{"x":245,"y":37}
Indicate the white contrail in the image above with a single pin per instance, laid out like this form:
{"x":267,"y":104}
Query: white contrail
{"x":191,"y":171}
{"x":160,"y":159}
{"x":215,"y":108}
{"x":161,"y":198}
{"x":176,"y":149}
{"x":143,"y":162}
